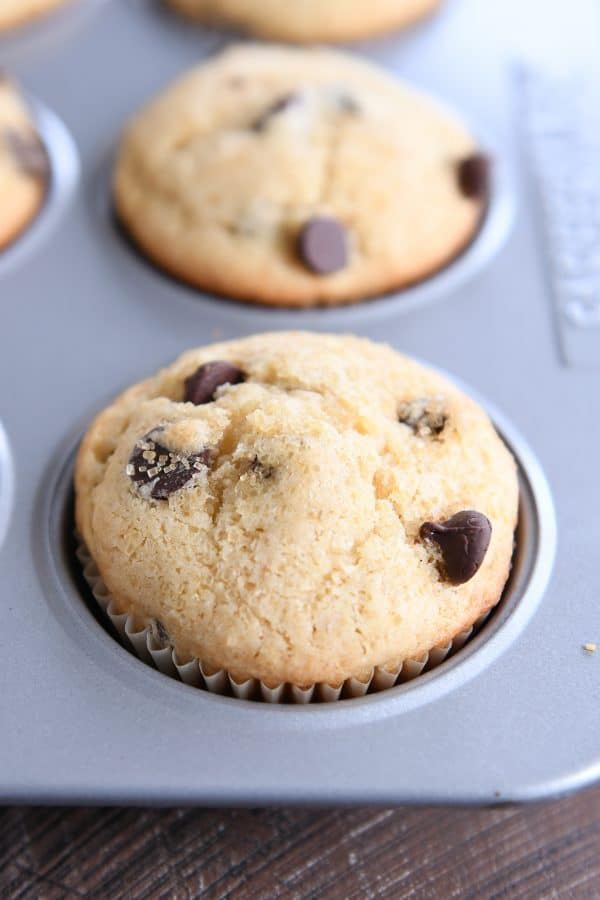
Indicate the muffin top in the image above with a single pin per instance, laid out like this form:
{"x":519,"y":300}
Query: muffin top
{"x":298,"y":177}
{"x":298,"y":507}
{"x":23,"y":164}
{"x":310,"y":20}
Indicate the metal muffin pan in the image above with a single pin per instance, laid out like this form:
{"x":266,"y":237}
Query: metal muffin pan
{"x":85,"y":721}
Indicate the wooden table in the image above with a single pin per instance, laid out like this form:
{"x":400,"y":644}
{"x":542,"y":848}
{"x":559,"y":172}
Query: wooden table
{"x":544,"y":851}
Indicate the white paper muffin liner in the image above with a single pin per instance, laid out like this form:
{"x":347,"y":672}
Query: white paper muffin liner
{"x":148,"y":646}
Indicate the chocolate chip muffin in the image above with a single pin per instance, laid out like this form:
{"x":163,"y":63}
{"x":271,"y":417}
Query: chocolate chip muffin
{"x":16,"y":12}
{"x":24,"y":165}
{"x":298,"y":508}
{"x":310,"y":20}
{"x":298,"y":177}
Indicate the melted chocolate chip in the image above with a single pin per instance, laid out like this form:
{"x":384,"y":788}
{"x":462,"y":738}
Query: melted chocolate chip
{"x":159,"y":472}
{"x":462,"y":540}
{"x":323,"y":245}
{"x":426,"y":418}
{"x":474,"y":176}
{"x":280,"y":106}
{"x":28,"y":152}
{"x":261,"y":469}
{"x":201,"y":385}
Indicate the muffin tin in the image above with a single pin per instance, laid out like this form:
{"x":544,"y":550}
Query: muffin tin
{"x":84,"y":720}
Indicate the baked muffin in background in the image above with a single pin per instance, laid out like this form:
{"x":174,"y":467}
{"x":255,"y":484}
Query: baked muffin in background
{"x":24,"y":166}
{"x":17,"y":12}
{"x":309,"y":20}
{"x":298,"y":177}
{"x":298,"y":508}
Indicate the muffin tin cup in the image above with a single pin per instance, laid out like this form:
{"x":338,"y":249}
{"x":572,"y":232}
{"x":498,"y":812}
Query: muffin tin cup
{"x":143,"y":642}
{"x":64,"y":176}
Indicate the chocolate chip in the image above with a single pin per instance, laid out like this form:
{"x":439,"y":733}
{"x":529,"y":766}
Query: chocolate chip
{"x":200,"y":387}
{"x":28,"y":152}
{"x":261,"y":469}
{"x":474,"y":175}
{"x":159,"y":472}
{"x":462,"y":540}
{"x":323,"y":245}
{"x":426,"y":418}
{"x":280,"y":106}
{"x":160,"y":634}
{"x":175,"y":480}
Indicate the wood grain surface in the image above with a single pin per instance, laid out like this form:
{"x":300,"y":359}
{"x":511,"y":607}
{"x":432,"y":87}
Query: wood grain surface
{"x":546,"y":851}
